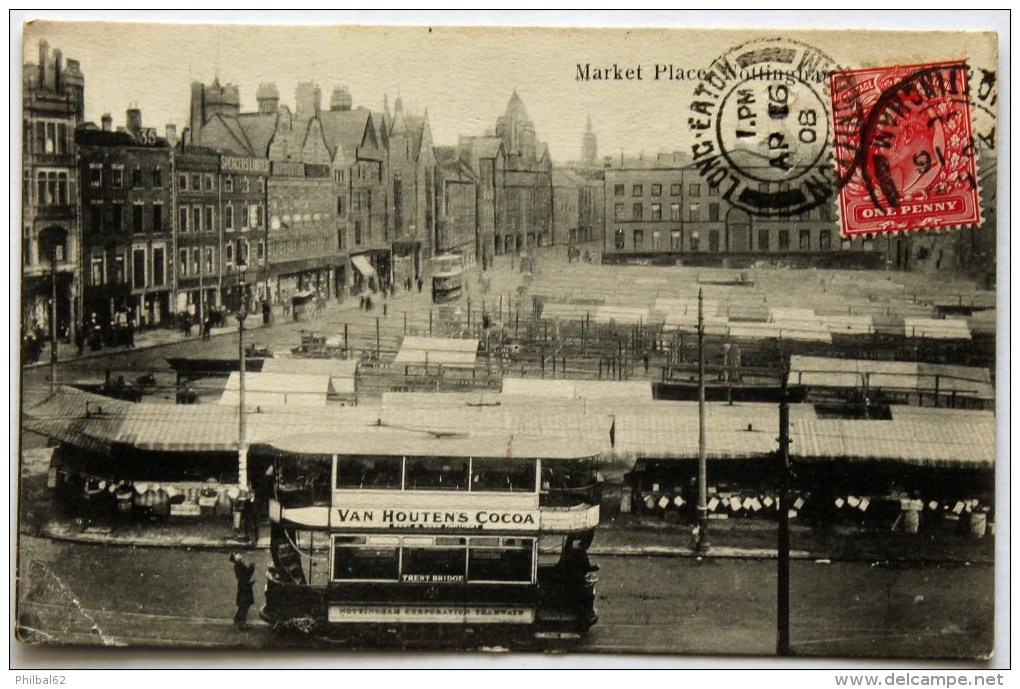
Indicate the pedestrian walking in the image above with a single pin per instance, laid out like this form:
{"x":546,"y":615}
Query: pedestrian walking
{"x":207,"y":329}
{"x":420,"y":283}
{"x":245,"y":598}
{"x":131,"y":333}
{"x":266,"y":311}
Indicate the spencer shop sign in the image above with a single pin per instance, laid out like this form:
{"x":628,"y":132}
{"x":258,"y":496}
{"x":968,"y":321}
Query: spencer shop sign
{"x":436,"y":519}
{"x":242,"y":164}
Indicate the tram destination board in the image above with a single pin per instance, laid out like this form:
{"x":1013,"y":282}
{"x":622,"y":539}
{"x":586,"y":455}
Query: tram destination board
{"x":652,"y":339}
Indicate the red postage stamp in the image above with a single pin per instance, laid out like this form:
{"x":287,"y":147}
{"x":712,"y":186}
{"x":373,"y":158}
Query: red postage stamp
{"x":904,"y":148}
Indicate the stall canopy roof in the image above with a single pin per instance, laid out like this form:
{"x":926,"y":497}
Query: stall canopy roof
{"x":568,"y":389}
{"x":386,"y":440}
{"x":449,"y":352}
{"x":622,"y":429}
{"x":277,"y":390}
{"x":903,"y":375}
{"x":363,"y":266}
{"x":954,"y":439}
{"x":335,"y":368}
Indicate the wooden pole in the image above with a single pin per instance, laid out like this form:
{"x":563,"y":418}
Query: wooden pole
{"x":702,"y":544}
{"x":783,"y":568}
{"x":53,"y":324}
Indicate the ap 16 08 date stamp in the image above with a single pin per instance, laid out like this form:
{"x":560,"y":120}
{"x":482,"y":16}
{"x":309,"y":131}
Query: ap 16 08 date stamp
{"x":904,"y":148}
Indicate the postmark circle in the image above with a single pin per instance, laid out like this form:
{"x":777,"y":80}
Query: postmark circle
{"x":778,"y":143}
{"x":762,"y":127}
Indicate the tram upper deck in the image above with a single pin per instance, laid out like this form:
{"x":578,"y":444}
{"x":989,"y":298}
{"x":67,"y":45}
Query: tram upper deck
{"x":389,"y":478}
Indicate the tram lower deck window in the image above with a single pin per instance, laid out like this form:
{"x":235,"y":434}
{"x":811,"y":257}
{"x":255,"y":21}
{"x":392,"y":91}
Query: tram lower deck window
{"x":365,"y":562}
{"x":434,"y":564}
{"x":510,"y":561}
{"x":433,"y":559}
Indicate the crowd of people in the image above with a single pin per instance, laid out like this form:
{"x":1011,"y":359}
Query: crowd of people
{"x":33,"y":341}
{"x":574,"y":255}
{"x":96,"y":333}
{"x":214,"y":317}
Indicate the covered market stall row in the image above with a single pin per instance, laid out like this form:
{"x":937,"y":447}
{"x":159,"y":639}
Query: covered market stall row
{"x":940,"y":455}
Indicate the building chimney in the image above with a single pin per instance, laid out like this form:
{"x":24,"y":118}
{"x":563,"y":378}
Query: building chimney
{"x":134,"y":121}
{"x":44,"y":56}
{"x":171,"y":135}
{"x":58,"y":65}
{"x":342,"y":100}
{"x":268,"y":98}
{"x":107,"y":122}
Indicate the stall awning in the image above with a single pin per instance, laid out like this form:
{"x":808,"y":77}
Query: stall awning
{"x":275,"y":390}
{"x":363,"y":266}
{"x":448,"y":352}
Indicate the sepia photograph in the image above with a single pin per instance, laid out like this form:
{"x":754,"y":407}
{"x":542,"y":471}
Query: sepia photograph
{"x":630,"y":343}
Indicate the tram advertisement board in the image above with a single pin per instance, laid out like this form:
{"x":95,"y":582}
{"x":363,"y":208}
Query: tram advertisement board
{"x":432,"y":518}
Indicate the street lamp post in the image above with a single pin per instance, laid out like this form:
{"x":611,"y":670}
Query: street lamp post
{"x":242,"y":313}
{"x":702,"y":543}
{"x":53,"y":322}
{"x":783,"y":554}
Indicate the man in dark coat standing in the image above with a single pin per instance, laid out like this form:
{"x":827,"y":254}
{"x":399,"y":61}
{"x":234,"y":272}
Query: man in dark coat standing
{"x":244,"y":573}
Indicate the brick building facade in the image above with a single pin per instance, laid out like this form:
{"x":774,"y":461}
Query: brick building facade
{"x":127,"y":222}
{"x":53,"y":103}
{"x":662,"y":209}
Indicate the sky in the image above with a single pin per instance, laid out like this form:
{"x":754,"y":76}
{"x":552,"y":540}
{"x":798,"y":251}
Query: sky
{"x":463,"y":76}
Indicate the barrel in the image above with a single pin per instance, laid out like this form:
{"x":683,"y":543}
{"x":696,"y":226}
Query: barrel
{"x":911,"y":521}
{"x":161,"y":504}
{"x":910,"y":515}
{"x":125,"y":501}
{"x":978,"y":524}
{"x":223,"y":504}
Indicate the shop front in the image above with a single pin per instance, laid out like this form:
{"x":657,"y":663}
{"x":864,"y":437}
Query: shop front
{"x":407,"y":264}
{"x":372,"y":270}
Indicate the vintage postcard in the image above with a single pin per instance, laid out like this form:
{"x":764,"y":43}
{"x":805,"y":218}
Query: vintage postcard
{"x":599,"y":341}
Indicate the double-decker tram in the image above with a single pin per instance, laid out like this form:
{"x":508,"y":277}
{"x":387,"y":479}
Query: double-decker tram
{"x":396,"y":529}
{"x":447,"y":277}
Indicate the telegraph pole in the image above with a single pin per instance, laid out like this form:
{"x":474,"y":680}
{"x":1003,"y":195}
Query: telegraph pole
{"x":702,"y":545}
{"x":242,"y":313}
{"x":783,"y":569}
